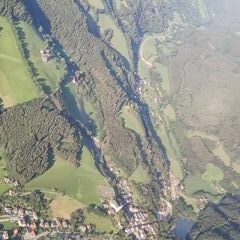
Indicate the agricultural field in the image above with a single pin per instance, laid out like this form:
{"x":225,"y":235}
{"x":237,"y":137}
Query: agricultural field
{"x":130,"y":120}
{"x":171,"y":153}
{"x":197,"y":183}
{"x":118,"y":40}
{"x":213,"y":173}
{"x":218,"y":151}
{"x":64,"y":206}
{"x":16,"y":85}
{"x":79,"y":183}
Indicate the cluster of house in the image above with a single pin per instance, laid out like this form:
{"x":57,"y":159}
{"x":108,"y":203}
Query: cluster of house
{"x":5,"y":235}
{"x":202,"y":202}
{"x":55,"y":223}
{"x":85,"y":228}
{"x":25,"y":218}
{"x":11,"y":181}
{"x":76,"y":79}
{"x":111,"y":207}
{"x":46,"y":55}
{"x":30,"y":221}
{"x":176,"y":187}
{"x":139,"y":224}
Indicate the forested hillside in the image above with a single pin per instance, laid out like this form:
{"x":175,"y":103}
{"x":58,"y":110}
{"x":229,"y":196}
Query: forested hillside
{"x":133,"y":92}
{"x":31,"y":134}
{"x":218,"y":221}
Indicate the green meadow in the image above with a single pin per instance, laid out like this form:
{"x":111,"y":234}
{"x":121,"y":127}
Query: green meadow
{"x":140,"y":175}
{"x":79,"y":183}
{"x":51,"y":71}
{"x":197,"y":183}
{"x":130,"y":119}
{"x":102,"y":223}
{"x":81,"y":107}
{"x":213,"y":173}
{"x":96,"y":3}
{"x":3,"y":173}
{"x":16,"y":85}
{"x":118,"y":40}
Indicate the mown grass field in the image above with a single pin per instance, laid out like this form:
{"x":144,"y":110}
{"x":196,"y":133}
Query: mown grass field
{"x":130,"y":119}
{"x":102,"y":223}
{"x":52,"y":71}
{"x":219,"y":151}
{"x":3,"y":187}
{"x":213,"y":173}
{"x":16,"y":85}
{"x":140,"y":175}
{"x":79,"y":183}
{"x":197,"y":183}
{"x":150,"y":49}
{"x":170,"y":113}
{"x":64,"y":206}
{"x":175,"y":164}
{"x":118,"y":40}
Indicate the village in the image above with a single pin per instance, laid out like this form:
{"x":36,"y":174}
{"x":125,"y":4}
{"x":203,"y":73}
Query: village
{"x":139,"y":223}
{"x":29,"y":224}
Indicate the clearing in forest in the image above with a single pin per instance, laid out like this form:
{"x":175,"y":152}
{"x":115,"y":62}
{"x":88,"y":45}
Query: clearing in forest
{"x":130,"y":119}
{"x":118,"y":40}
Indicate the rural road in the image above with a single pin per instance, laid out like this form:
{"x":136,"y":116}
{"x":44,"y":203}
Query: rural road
{"x":149,"y":64}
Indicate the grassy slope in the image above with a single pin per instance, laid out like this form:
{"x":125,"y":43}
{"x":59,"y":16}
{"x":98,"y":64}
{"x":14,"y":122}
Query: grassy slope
{"x":168,"y":115}
{"x":197,"y":183}
{"x":118,"y":40}
{"x":16,"y":86}
{"x":140,"y":175}
{"x":63,"y":206}
{"x":3,"y":187}
{"x":130,"y":120}
{"x":213,"y":173}
{"x":79,"y":183}
{"x":102,"y":223}
{"x":80,"y":107}
{"x":96,"y":3}
{"x":51,"y":71}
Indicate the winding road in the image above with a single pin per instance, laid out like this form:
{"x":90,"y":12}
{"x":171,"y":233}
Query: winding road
{"x":160,"y":37}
